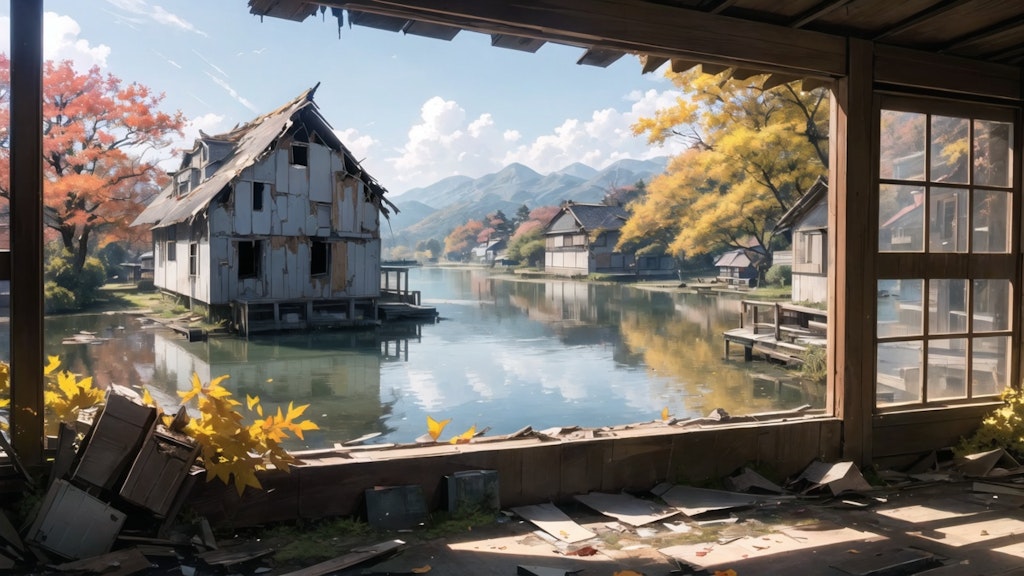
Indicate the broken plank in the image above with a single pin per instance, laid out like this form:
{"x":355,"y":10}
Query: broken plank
{"x":118,"y":563}
{"x":235,"y":554}
{"x":354,"y":557}
{"x":626,"y":508}
{"x":550,"y":519}
{"x":693,"y":501}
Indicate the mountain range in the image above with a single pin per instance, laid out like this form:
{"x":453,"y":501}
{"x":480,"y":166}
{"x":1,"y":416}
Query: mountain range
{"x":433,"y":211}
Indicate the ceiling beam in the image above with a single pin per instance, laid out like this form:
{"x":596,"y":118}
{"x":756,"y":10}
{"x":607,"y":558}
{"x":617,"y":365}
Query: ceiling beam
{"x":631,"y":26}
{"x":817,"y":12}
{"x":983,"y":34}
{"x":722,"y":6}
{"x":921,"y":17}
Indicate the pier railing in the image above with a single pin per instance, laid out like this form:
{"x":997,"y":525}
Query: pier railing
{"x":783,"y":319}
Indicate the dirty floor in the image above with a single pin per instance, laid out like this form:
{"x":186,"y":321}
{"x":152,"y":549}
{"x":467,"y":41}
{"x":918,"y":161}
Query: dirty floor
{"x":960,"y":528}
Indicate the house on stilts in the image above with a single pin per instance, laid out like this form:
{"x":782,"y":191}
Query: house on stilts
{"x":274,"y":225}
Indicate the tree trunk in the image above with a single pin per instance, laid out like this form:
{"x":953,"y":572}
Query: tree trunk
{"x":82,"y":250}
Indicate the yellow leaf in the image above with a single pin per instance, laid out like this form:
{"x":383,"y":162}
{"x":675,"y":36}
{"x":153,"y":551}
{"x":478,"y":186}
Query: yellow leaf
{"x":664,"y":413}
{"x":632,"y":573}
{"x":197,"y":389}
{"x":251,"y":401}
{"x":465,"y":436}
{"x":422,"y":569}
{"x":434,"y":427}
{"x":729,"y":572}
{"x":52,"y":366}
{"x":147,"y":398}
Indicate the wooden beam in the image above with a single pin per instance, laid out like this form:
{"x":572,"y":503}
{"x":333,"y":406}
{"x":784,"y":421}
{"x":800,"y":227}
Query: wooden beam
{"x":680,"y":66}
{"x":983,"y":34}
{"x":905,"y":67}
{"x":921,"y":17}
{"x":631,"y":26}
{"x":650,"y":63}
{"x":851,"y":305}
{"x":721,"y":6}
{"x":26,"y":415}
{"x":817,"y":12}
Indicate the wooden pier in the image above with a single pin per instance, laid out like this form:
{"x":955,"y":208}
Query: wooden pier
{"x":778,"y":331}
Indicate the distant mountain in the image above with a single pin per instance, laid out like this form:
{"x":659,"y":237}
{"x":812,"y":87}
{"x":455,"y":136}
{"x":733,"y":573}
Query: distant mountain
{"x":433,"y":211}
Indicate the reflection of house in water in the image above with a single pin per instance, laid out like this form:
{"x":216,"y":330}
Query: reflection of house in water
{"x":338,"y":373}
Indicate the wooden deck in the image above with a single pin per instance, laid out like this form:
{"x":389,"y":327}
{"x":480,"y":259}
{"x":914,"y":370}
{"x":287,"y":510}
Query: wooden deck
{"x":777,"y":331}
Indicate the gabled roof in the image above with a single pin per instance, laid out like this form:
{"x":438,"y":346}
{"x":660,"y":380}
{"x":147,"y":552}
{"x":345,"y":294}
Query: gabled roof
{"x":592,"y":217}
{"x":252,"y":142}
{"x":817,"y":192}
{"x":733,"y":259}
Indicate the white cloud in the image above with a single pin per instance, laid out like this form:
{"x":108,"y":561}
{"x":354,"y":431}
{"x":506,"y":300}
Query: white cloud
{"x":447,"y":140}
{"x":61,"y":42}
{"x":360,"y":145}
{"x":207,"y":123}
{"x":157,"y":13}
{"x":600,"y":140}
{"x":234,"y":93}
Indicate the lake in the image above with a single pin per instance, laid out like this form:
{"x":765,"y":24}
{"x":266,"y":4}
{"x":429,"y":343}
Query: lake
{"x":505,"y":353}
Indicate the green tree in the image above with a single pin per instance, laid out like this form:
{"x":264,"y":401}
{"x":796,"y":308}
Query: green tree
{"x":522,"y":215}
{"x":753,"y":152}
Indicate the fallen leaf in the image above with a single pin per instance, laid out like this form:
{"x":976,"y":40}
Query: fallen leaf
{"x":585,"y":551}
{"x":729,"y":572}
{"x":627,"y":573}
{"x":421,"y":569}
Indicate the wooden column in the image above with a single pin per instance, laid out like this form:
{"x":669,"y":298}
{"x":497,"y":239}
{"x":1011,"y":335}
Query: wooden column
{"x":852,"y":305}
{"x":27,"y":230}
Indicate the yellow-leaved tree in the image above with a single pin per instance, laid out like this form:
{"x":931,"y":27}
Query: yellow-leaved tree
{"x":753,"y":152}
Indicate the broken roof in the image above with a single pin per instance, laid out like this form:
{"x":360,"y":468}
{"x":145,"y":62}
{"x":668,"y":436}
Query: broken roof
{"x":816,"y":192}
{"x":734,"y":259}
{"x":252,"y":142}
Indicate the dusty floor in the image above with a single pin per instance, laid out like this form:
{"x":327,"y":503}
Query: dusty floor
{"x":955,"y":528}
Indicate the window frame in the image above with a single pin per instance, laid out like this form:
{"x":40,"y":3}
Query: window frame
{"x":250,"y":259}
{"x":193,"y":259}
{"x":319,"y":257}
{"x":931,"y":267}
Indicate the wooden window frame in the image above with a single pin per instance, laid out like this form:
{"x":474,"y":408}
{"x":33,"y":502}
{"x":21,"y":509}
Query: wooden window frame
{"x":928,"y":266}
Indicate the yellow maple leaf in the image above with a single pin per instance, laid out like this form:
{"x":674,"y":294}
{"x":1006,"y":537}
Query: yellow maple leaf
{"x":664,"y":413}
{"x":197,"y":389}
{"x":52,"y":366}
{"x":251,"y":401}
{"x":464,"y":437}
{"x":434,"y":427}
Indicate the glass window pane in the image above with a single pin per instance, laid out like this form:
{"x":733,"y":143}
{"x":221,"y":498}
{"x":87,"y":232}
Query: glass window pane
{"x":899,"y":308}
{"x":902,"y":145}
{"x":991,"y":220}
{"x":993,"y":145}
{"x":949,"y":149}
{"x":947,"y":306}
{"x":898,"y":373}
{"x":947,"y":220}
{"x":900,"y":218}
{"x":991,"y":308}
{"x":990,"y":372}
{"x":947,"y":369}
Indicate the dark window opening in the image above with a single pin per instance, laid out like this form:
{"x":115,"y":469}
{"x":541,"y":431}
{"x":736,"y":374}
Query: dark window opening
{"x":300,"y":155}
{"x":249,"y":258}
{"x":193,"y":259}
{"x":172,"y":251}
{"x":224,"y":196}
{"x":257,"y":196}
{"x":319,"y":258}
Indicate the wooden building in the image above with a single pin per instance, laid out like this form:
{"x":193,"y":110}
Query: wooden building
{"x":806,"y":224}
{"x":581,"y":239}
{"x":736,"y":267}
{"x":885,"y":62}
{"x":274,"y":224}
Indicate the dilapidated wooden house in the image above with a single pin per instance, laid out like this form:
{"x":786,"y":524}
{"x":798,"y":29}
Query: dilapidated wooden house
{"x":274,"y":223}
{"x":806,"y":223}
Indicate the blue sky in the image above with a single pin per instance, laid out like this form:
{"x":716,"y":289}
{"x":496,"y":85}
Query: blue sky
{"x":414,"y":109}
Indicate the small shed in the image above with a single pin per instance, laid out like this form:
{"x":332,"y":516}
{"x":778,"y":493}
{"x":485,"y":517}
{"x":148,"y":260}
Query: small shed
{"x":736,"y":267}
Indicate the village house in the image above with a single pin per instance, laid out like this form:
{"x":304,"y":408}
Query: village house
{"x":806,"y":224}
{"x":273,"y":224}
{"x":581,"y":239}
{"x":736,"y":267}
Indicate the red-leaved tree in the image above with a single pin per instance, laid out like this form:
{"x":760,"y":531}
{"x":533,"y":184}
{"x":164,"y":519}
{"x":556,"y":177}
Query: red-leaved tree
{"x":100,"y":142}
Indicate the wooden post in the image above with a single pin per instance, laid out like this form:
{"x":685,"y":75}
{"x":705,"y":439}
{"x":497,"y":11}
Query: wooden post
{"x":26,"y":204}
{"x":851,"y":305}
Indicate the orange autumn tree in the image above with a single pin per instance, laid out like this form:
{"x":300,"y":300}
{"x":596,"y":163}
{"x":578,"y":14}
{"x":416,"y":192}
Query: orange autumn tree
{"x":99,"y":141}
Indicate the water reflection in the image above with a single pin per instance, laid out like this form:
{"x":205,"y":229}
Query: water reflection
{"x":506,"y":353}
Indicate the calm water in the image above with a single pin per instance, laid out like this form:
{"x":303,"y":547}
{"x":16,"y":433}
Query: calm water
{"x":504,"y":355}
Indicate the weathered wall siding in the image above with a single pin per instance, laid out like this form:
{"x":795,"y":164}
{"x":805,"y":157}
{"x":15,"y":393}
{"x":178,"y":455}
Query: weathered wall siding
{"x":295,"y":223}
{"x":807,"y":288}
{"x":279,"y":160}
{"x":905,"y":433}
{"x":339,"y":267}
{"x":345,"y":202}
{"x":321,"y":173}
{"x":530,"y":471}
{"x":243,"y":208}
{"x":298,"y":179}
{"x":218,"y":267}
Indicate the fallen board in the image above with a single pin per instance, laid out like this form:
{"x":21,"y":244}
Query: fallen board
{"x":550,"y":519}
{"x":626,"y":508}
{"x":351,"y":559}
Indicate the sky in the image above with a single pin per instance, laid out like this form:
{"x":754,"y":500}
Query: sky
{"x":414,"y":110}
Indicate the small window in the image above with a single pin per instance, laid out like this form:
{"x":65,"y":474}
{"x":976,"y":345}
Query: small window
{"x":319,"y":258}
{"x":193,"y":259}
{"x":300,"y":155}
{"x":172,"y":251}
{"x":257,"y":196}
{"x":182,"y":188}
{"x":249,"y":257}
